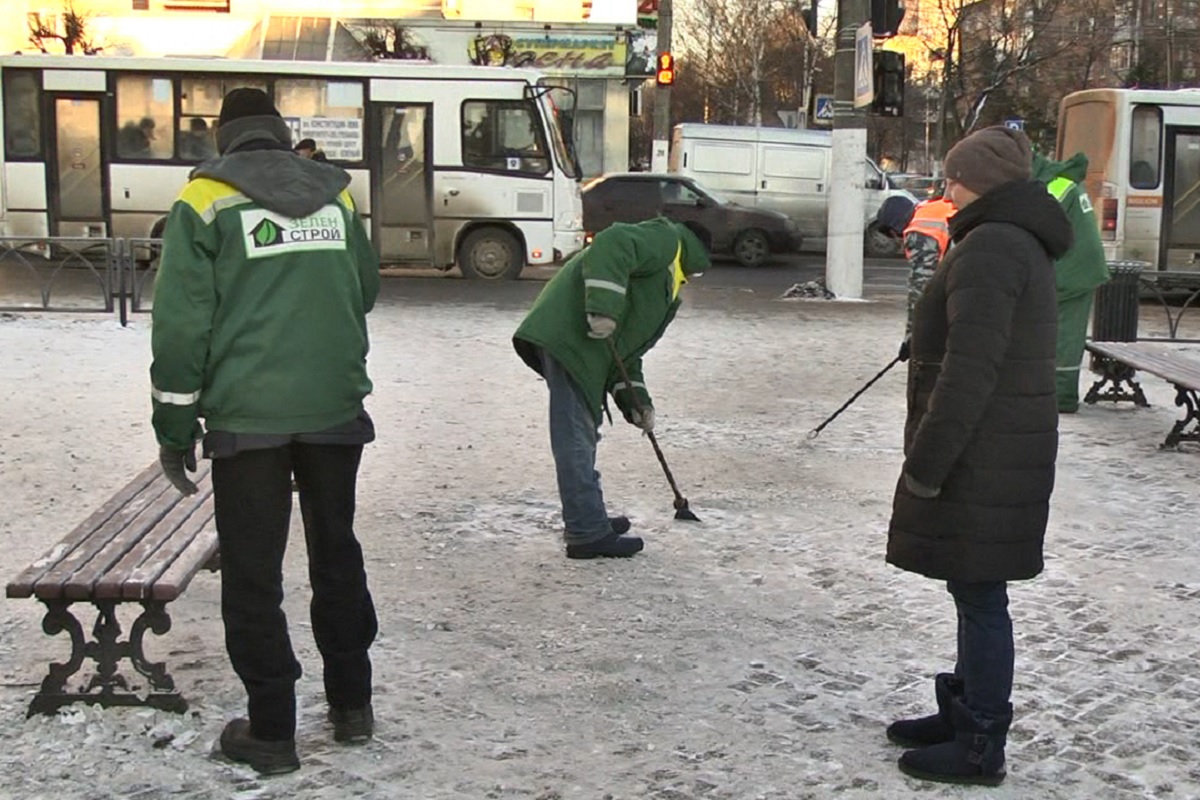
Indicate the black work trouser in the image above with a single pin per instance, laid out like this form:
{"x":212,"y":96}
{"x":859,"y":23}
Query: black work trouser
{"x":253,"y":496}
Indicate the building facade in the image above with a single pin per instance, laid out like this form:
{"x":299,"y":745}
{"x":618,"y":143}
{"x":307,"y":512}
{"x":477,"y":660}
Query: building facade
{"x":594,"y":48}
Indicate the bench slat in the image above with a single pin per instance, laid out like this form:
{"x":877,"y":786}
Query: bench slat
{"x":22,"y":585}
{"x":75,"y":576}
{"x":141,"y":582}
{"x":160,"y":546}
{"x":50,"y":585}
{"x":1170,"y":365}
{"x":177,"y":577}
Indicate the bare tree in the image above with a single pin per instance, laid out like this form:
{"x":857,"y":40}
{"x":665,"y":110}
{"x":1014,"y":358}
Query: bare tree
{"x":73,"y":36}
{"x":745,"y":53}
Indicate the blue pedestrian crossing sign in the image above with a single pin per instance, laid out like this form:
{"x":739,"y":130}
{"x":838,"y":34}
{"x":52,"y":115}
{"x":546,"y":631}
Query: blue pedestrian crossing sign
{"x":864,"y":67}
{"x":1014,"y":124}
{"x":823,"y":110}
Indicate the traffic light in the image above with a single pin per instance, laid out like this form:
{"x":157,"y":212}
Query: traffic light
{"x":886,"y":16}
{"x":889,"y":84}
{"x":665,"y":74}
{"x":809,"y":15}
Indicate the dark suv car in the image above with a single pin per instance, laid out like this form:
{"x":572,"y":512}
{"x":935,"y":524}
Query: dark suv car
{"x":750,"y":235}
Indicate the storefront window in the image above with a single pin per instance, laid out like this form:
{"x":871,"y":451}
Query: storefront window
{"x":22,"y":115}
{"x":145,"y":117}
{"x":503,"y":135}
{"x":328,"y":112}
{"x":587,"y":121}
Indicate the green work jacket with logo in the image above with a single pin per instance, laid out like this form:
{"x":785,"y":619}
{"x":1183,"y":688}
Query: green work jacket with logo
{"x":630,"y":273}
{"x":259,"y":318}
{"x":1084,"y":267}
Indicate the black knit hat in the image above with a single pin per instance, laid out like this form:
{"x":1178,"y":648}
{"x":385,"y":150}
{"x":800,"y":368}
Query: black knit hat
{"x":246,"y":102}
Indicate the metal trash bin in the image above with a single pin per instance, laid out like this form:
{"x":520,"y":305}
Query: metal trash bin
{"x":1115,"y":314}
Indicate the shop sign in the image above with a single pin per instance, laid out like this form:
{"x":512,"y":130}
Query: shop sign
{"x":569,"y":54}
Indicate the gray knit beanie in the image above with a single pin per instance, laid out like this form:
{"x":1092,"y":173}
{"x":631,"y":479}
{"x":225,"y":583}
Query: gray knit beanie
{"x":989,"y":158}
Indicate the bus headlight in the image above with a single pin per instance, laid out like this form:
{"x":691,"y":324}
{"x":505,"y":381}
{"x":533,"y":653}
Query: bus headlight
{"x":569,"y":221}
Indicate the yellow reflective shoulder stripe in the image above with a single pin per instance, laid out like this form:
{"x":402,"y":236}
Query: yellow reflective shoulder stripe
{"x":1059,"y":187}
{"x":346,"y":199}
{"x":207,"y":196}
{"x":678,"y":277}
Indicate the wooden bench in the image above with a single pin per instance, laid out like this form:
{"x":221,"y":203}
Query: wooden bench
{"x":142,"y":546}
{"x":1117,"y":364}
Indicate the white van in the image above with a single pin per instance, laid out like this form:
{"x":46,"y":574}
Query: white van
{"x":780,"y":169}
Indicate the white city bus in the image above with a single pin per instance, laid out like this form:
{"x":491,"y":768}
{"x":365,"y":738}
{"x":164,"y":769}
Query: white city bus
{"x":1143,"y":149}
{"x":465,"y":165}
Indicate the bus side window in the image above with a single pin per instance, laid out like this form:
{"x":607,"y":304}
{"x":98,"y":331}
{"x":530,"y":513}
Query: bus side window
{"x":503,"y":135}
{"x":22,"y":118}
{"x":1145,"y":147}
{"x":145,"y":117}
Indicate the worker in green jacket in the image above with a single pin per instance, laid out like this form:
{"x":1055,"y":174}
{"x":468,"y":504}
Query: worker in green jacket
{"x":619,"y":293}
{"x":259,"y":328}
{"x":1077,"y":274}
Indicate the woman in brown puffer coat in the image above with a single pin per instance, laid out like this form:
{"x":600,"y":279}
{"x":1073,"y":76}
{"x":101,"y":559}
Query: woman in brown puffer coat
{"x":980,"y":441}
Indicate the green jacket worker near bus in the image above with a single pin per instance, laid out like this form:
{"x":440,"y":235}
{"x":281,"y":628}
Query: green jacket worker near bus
{"x":1076,"y":274}
{"x":619,"y":293}
{"x":259,"y":329}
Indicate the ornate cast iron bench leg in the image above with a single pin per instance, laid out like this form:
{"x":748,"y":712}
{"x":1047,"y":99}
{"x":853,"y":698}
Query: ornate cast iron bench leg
{"x":1115,"y":373}
{"x":1189,"y":401}
{"x":106,"y":649}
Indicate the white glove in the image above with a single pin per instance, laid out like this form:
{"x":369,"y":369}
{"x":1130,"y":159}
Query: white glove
{"x":600,"y":326}
{"x":644,"y":419}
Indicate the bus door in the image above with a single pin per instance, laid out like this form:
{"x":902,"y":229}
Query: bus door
{"x":1181,"y":200}
{"x":75,"y":169}
{"x":401,"y":181}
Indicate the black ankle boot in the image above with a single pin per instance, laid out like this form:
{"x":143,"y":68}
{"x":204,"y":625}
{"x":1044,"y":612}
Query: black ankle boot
{"x":611,"y":546}
{"x":267,"y":757}
{"x":975,"y":756}
{"x":934,"y":729}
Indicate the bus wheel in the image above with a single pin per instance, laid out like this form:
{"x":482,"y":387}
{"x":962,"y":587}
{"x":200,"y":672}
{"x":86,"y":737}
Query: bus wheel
{"x":490,"y":254}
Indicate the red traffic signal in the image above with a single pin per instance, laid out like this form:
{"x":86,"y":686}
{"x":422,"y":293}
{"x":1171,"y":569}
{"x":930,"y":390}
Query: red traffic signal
{"x":665,"y":74}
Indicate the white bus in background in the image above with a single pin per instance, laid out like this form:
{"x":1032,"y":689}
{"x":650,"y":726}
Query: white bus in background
{"x":779,"y":169}
{"x":1143,"y":149}
{"x":449,"y":165}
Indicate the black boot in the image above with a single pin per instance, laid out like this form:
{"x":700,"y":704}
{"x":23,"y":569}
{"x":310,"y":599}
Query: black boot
{"x":352,"y":725}
{"x":976,"y":756}
{"x":934,"y":729}
{"x":239,"y":743}
{"x":611,"y":546}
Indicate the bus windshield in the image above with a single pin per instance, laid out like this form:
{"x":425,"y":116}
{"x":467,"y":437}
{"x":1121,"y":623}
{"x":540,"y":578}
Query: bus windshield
{"x":560,"y":106}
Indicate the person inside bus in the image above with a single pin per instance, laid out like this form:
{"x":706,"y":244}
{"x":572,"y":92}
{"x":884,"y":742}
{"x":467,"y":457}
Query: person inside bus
{"x":134,"y":138}
{"x":305,"y":148}
{"x":259,"y":329}
{"x":611,"y":302}
{"x":980,"y":442}
{"x":196,"y":143}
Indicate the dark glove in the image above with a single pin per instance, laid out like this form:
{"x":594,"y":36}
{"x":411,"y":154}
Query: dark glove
{"x":174,"y":463}
{"x":905,"y":350}
{"x":918,"y":489}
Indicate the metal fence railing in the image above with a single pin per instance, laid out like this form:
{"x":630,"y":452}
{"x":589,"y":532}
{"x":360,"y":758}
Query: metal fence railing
{"x":58,"y":273}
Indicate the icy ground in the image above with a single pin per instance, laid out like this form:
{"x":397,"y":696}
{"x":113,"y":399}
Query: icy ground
{"x":757,"y":655}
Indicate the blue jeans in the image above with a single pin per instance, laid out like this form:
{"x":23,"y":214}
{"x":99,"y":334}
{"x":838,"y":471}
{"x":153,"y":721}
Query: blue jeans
{"x":573,"y":438}
{"x":985,"y":646}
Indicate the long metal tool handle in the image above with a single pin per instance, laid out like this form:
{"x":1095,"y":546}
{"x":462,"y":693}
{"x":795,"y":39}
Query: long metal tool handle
{"x":815,"y":432}
{"x":637,"y":404}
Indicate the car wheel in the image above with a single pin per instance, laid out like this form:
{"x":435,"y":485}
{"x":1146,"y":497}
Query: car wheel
{"x":490,"y":254}
{"x":751,"y":248}
{"x":878,"y":243}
